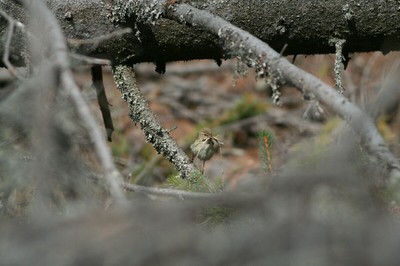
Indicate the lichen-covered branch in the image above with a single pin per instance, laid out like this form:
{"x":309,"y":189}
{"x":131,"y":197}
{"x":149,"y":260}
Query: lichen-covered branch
{"x":305,"y":26}
{"x":259,"y":55}
{"x":338,"y":63}
{"x":140,"y":112}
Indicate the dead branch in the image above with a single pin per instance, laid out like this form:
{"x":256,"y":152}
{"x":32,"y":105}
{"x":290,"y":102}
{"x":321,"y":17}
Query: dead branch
{"x":306,"y":26}
{"x":10,"y":32}
{"x":166,"y":192}
{"x":259,"y":55}
{"x":90,"y":60}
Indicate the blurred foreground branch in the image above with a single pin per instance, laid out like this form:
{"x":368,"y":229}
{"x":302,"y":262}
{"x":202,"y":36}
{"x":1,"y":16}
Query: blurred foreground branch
{"x":57,"y":50}
{"x":303,"y":219}
{"x":166,"y":192}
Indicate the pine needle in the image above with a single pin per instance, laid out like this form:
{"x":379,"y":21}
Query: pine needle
{"x":265,"y":139}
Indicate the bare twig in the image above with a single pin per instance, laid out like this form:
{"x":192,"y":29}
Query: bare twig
{"x":90,"y":60}
{"x":181,"y":194}
{"x":7,"y":43}
{"x":140,"y":112}
{"x":259,"y":55}
{"x":97,"y":78}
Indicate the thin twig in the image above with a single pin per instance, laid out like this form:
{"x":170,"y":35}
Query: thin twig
{"x":7,"y":44}
{"x":90,"y":60}
{"x":14,"y":71}
{"x":18,"y":24}
{"x":180,"y":194}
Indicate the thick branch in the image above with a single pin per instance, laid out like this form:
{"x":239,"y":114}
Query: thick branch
{"x":306,"y":26}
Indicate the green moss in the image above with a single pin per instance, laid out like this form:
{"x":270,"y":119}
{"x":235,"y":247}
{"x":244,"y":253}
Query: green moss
{"x":207,"y":217}
{"x":197,"y":183}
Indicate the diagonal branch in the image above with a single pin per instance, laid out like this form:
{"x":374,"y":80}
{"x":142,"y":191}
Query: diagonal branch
{"x":140,"y":112}
{"x":259,"y":55}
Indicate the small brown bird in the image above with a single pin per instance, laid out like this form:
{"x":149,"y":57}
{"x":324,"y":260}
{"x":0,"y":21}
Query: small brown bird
{"x":205,"y":146}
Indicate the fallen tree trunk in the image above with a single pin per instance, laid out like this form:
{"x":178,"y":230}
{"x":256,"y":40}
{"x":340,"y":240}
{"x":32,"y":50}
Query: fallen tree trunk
{"x":305,"y":26}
